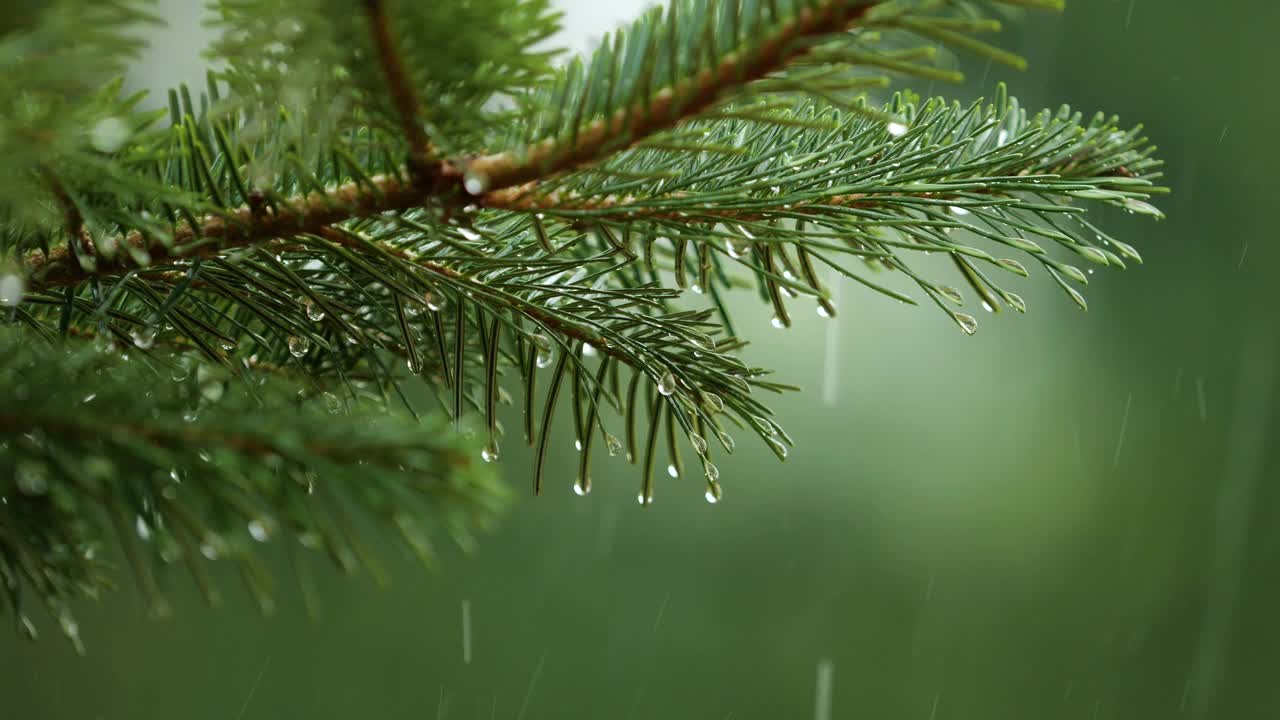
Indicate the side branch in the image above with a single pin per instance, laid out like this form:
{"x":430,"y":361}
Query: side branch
{"x":670,"y":105}
{"x":445,"y":179}
{"x":403,"y":96}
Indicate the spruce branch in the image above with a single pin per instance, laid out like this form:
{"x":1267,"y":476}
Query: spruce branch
{"x":499,"y":179}
{"x":304,"y":287}
{"x":403,"y":95}
{"x":201,"y":469}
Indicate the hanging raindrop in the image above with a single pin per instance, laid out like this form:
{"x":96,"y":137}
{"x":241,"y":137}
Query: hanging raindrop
{"x":966,"y":322}
{"x":332,"y":403}
{"x":144,"y":337}
{"x":667,"y":384}
{"x":475,"y":182}
{"x":727,"y":440}
{"x":490,"y":451}
{"x":433,"y":300}
{"x":12,"y":286}
{"x":714,"y":493}
{"x":315,"y":312}
{"x":699,"y":443}
{"x":712,"y":401}
{"x":645,"y":498}
{"x":258,"y":530}
{"x":298,"y":345}
{"x":582,"y":487}
{"x":109,"y":134}
{"x":613,"y":444}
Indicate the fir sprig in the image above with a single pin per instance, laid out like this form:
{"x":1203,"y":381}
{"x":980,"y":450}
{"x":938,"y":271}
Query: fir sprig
{"x":375,"y":198}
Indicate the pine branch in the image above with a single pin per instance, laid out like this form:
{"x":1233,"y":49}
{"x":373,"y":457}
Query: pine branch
{"x":534,"y":254}
{"x":495,"y":178}
{"x":403,"y":96}
{"x":202,"y":469}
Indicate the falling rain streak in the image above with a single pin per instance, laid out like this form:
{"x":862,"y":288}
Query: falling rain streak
{"x":466,"y":632}
{"x":831,"y":349}
{"x":822,"y":693}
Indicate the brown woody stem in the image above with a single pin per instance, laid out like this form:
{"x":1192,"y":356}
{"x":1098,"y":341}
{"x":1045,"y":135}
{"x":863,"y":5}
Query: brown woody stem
{"x":503,"y":178}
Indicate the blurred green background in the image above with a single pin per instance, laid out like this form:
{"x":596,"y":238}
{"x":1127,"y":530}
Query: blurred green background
{"x":1069,"y":515}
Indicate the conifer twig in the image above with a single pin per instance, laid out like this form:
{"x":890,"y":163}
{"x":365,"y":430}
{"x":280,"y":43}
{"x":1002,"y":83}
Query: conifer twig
{"x":444,"y":178}
{"x":403,"y":95}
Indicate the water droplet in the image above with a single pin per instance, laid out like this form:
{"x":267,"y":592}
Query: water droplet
{"x":27,"y":627}
{"x":714,"y":494}
{"x":144,"y":530}
{"x":1016,"y":301}
{"x":672,"y":471}
{"x":712,"y":401}
{"x":469,"y":234}
{"x":987,"y":306}
{"x":823,"y":311}
{"x":1077,"y":297}
{"x":433,"y":300}
{"x":957,"y":210}
{"x":667,"y":384}
{"x":211,"y":548}
{"x":577,"y":445}
{"x":582,"y":487}
{"x":1075,"y":274}
{"x":589,"y":350}
{"x":331,"y":403}
{"x":258,"y":530}
{"x":777,"y":322}
{"x":711,"y":471}
{"x":696,"y":288}
{"x":315,"y":311}
{"x":543,"y":358}
{"x":951,"y":294}
{"x":1014,"y":266}
{"x":31,"y":478}
{"x":490,"y":451}
{"x":613,"y":444}
{"x":109,"y":134}
{"x":144,"y":337}
{"x":896,"y":129}
{"x":699,"y":443}
{"x":475,"y":182}
{"x":12,"y":287}
{"x":1137,"y":206}
{"x":727,"y":440}
{"x":298,"y":345}
{"x":645,"y":499}
{"x":737,"y":249}
{"x":71,"y":629}
{"x":966,"y":322}
{"x":179,"y":372}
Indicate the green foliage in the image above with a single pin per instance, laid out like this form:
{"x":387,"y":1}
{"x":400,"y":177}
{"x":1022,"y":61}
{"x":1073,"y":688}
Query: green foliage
{"x":380,"y":202}
{"x":177,"y":463}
